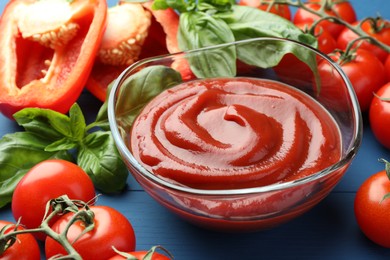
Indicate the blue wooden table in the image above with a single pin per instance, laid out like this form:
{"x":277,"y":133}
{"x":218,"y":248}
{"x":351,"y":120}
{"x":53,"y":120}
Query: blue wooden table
{"x":328,"y":231}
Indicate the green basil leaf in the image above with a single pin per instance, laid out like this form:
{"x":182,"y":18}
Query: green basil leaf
{"x":247,"y":22}
{"x":266,"y":54}
{"x":215,"y":5}
{"x":102,"y":115}
{"x":62,"y":144}
{"x":160,"y":5}
{"x":179,"y":5}
{"x":19,"y":152}
{"x":99,"y":157}
{"x":140,"y":88}
{"x":197,"y":30}
{"x":77,"y":122}
{"x":46,"y":123}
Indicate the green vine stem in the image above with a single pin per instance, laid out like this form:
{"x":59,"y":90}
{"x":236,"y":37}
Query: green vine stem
{"x":57,"y":206}
{"x":321,"y":13}
{"x":387,"y":169}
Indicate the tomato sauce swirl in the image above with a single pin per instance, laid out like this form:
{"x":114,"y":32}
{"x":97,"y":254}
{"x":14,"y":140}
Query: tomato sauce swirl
{"x":229,"y":133}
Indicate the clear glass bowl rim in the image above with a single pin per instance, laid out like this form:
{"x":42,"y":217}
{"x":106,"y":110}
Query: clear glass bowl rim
{"x":350,"y":154}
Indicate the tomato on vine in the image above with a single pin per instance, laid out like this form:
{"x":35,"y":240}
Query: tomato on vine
{"x":24,"y":247}
{"x":376,"y":28}
{"x":372,"y":207}
{"x":142,"y":255}
{"x":387,"y":67}
{"x":45,"y":181}
{"x":326,"y":42}
{"x":379,"y":115}
{"x":365,"y":72}
{"x":279,"y":9}
{"x":110,"y":229}
{"x":342,"y":9}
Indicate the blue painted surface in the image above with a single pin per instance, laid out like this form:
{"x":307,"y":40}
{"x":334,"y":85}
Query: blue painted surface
{"x":328,"y":231}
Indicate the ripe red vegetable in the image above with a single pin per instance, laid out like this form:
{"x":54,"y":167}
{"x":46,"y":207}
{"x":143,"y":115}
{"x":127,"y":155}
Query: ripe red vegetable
{"x":365,"y":72}
{"x":112,"y":229}
{"x":127,"y":28}
{"x":47,"y":49}
{"x":379,"y":115}
{"x":160,"y":38}
{"x":25,"y":246}
{"x":279,"y":9}
{"x":379,"y":30}
{"x":372,"y":208}
{"x":45,"y":181}
{"x":344,"y":10}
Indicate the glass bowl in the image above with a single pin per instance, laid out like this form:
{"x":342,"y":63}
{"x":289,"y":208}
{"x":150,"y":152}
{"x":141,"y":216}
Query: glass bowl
{"x":233,"y":186}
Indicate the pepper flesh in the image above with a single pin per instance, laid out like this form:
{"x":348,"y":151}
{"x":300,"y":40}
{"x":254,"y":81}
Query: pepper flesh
{"x":161,"y":39}
{"x":37,"y":67}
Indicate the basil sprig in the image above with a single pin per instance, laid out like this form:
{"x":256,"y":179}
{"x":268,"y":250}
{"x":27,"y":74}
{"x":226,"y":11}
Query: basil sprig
{"x":212,"y":22}
{"x":48,"y":135}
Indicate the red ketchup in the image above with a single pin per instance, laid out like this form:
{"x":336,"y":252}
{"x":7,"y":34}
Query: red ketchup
{"x":229,"y":133}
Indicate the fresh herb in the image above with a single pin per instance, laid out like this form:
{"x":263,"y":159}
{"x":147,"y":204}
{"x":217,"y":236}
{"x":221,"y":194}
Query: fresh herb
{"x":213,"y":22}
{"x":49,"y":134}
{"x":137,"y":91}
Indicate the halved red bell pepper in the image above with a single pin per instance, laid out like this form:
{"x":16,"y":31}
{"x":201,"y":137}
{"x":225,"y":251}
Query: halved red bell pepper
{"x":161,"y":39}
{"x":47,"y":50}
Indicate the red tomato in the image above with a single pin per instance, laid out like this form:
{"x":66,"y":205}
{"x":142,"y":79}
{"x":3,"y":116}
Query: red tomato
{"x":139,"y":255}
{"x":371,"y":211}
{"x":387,"y":67}
{"x":379,"y":115}
{"x":379,"y":32}
{"x":26,"y":247}
{"x":112,"y":229}
{"x":366,"y":73}
{"x":326,"y":42}
{"x":344,"y":10}
{"x":45,"y":181}
{"x":279,"y":9}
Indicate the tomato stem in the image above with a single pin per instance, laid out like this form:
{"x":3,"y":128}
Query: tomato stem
{"x":323,"y":15}
{"x":57,"y":206}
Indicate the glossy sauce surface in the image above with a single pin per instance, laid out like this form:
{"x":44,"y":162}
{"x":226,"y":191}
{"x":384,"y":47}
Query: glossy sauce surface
{"x":234,"y":133}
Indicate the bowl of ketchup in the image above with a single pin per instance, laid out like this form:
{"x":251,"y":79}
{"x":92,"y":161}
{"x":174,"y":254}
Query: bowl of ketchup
{"x":237,"y":137}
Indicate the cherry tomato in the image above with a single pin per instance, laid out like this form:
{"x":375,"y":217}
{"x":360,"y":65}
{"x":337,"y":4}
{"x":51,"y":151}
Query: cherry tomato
{"x":366,"y":74}
{"x":326,"y":42}
{"x":379,"y":30}
{"x":25,"y":247}
{"x":344,"y":10}
{"x":45,"y":181}
{"x":139,"y":255}
{"x":279,"y":9}
{"x":112,"y":229}
{"x":372,"y":211}
{"x":387,"y":67}
{"x":379,"y":115}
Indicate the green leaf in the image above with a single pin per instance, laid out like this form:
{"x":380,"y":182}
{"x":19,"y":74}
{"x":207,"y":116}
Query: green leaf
{"x":62,"y":144}
{"x":179,"y":5}
{"x":246,"y":23}
{"x":77,"y":122}
{"x":99,"y":157}
{"x":215,"y":5}
{"x":197,"y":30}
{"x":102,"y":115}
{"x":140,"y":88}
{"x":19,"y":152}
{"x":44,"y":122}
